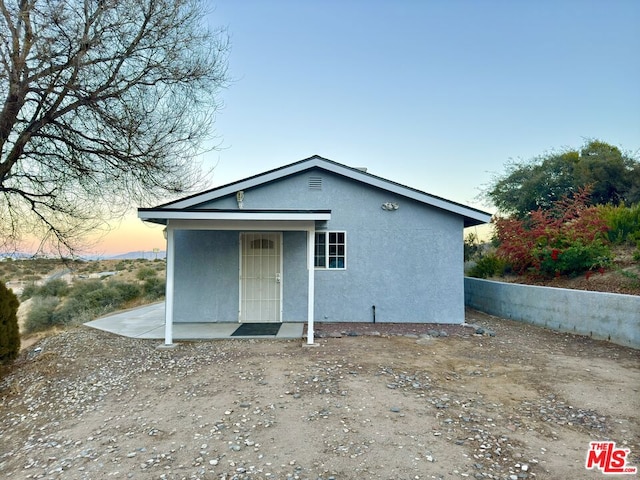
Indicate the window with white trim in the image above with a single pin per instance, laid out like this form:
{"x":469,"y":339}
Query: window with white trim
{"x":331,"y":250}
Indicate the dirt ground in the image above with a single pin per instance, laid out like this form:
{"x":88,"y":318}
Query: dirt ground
{"x":369,"y":402}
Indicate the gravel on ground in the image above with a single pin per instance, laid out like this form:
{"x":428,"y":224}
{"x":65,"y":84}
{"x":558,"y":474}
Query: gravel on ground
{"x":494,"y":399}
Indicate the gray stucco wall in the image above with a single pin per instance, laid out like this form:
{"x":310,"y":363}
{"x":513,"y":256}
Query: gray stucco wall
{"x":206,"y":272}
{"x":294,"y":276}
{"x":206,"y":276}
{"x":606,"y":316}
{"x":407,"y":262}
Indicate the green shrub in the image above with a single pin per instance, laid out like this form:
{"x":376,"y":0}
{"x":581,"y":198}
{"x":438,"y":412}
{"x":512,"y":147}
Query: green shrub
{"x":489,"y":266}
{"x":85,"y":300}
{"x":72,"y":311}
{"x":85,"y":287}
{"x":41,"y":315}
{"x":10,"y":266}
{"x":29,"y":291}
{"x":105,"y":298}
{"x":471,"y":247}
{"x":92,"y":267}
{"x":145,"y":273}
{"x":9,"y":331}
{"x":623,"y":223}
{"x":43,"y":267}
{"x":574,"y":259}
{"x":154,"y":288}
{"x":92,"y":298}
{"x":54,"y":288}
{"x":127,"y":291}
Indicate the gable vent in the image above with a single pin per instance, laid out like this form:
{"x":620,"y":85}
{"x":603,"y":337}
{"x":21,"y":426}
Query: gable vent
{"x":315,"y":183}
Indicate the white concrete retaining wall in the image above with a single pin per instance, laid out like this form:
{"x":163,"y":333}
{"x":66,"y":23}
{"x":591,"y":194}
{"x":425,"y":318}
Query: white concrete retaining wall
{"x":605,"y":316}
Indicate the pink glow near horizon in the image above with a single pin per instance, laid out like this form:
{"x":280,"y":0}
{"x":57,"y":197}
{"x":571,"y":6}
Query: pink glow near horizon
{"x":131,"y":235}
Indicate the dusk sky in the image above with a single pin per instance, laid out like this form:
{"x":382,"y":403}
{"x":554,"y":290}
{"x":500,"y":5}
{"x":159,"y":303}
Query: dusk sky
{"x":436,"y":95}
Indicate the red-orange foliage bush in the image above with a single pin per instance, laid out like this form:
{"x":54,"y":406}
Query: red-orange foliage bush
{"x":568,"y":238}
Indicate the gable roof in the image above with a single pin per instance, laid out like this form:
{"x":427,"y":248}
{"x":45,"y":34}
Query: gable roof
{"x":472,"y":216}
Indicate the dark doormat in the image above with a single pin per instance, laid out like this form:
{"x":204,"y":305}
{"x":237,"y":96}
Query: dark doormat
{"x":255,"y":329}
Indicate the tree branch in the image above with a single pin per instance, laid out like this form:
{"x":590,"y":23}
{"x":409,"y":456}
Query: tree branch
{"x":105,"y":101}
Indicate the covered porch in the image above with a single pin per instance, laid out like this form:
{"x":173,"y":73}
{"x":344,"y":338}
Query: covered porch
{"x":180,"y":221}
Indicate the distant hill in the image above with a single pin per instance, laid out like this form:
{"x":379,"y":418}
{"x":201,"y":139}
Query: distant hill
{"x":140,"y":254}
{"x":15,"y":256}
{"x":147,"y":255}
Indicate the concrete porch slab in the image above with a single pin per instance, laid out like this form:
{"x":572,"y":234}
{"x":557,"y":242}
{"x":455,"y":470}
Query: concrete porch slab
{"x":148,"y":322}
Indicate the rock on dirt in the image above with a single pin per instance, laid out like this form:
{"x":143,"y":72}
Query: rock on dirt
{"x":390,"y":402}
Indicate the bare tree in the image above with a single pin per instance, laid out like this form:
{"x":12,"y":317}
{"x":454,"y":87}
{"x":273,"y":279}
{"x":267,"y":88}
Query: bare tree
{"x":105,"y":104}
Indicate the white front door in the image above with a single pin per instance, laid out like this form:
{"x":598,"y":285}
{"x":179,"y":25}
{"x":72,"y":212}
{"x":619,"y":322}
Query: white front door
{"x":260,"y":277}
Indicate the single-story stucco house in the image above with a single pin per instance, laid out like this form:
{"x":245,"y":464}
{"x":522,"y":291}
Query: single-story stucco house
{"x":314,"y":241}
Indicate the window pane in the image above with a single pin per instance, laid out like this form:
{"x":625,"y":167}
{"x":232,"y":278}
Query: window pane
{"x":330,"y":250}
{"x":320,"y":259}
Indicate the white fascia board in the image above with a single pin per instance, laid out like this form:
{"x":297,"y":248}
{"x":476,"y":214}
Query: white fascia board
{"x":234,"y":215}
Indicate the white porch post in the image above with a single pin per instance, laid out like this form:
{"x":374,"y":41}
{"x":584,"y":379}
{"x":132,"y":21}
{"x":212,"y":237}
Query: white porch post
{"x":168,"y":303}
{"x":311,"y":241}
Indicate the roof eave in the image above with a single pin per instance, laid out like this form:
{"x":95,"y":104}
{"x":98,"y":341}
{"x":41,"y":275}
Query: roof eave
{"x":476,"y":220}
{"x":163,"y":215}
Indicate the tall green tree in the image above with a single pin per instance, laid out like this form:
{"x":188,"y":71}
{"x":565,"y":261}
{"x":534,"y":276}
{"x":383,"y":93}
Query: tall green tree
{"x":103,"y":104}
{"x":611,"y":176}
